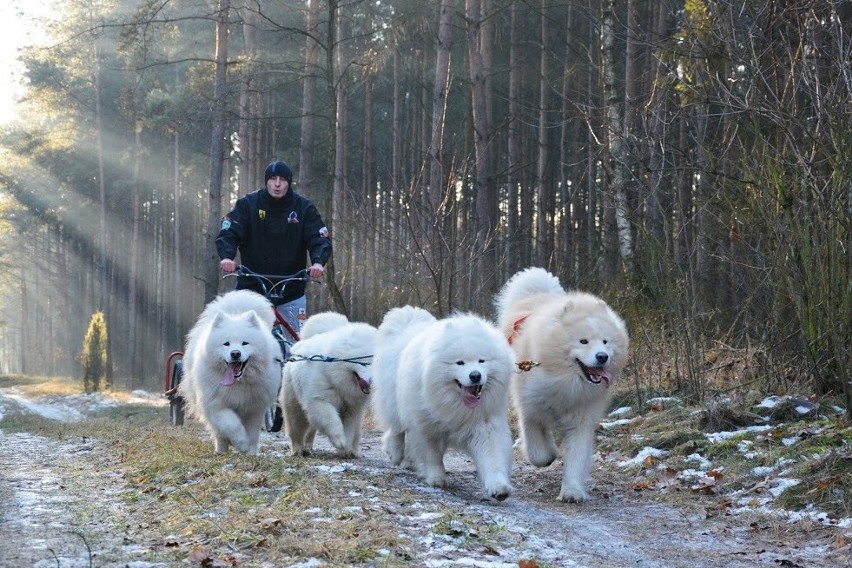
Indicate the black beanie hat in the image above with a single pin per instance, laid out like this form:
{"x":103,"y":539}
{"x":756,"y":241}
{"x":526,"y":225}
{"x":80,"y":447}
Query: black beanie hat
{"x":278,"y":168}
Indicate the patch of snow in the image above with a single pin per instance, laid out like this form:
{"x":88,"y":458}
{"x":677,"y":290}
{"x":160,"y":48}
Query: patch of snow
{"x":643,"y":454}
{"x":663,"y":400}
{"x":620,"y":411}
{"x":702,"y":461}
{"x":783,"y":484}
{"x":717,"y":437}
{"x":616,"y":423}
{"x":691,"y":474}
{"x":766,"y":470}
{"x":337,"y":468}
{"x":309,"y":563}
{"x":53,"y":411}
{"x":769,"y":402}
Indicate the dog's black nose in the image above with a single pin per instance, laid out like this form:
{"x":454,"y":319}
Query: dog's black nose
{"x":235,"y":355}
{"x":475,"y":377}
{"x":601,"y":357}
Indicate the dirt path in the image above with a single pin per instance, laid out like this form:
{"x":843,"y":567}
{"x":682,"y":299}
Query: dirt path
{"x":39,"y":512}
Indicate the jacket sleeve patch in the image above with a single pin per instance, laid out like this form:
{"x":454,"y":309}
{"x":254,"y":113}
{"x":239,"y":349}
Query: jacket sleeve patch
{"x":324,"y":233}
{"x":226,"y":223}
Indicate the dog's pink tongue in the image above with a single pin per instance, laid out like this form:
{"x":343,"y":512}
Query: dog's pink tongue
{"x":229,"y":378}
{"x":469,"y":397}
{"x":365,"y":386}
{"x":601,"y":375}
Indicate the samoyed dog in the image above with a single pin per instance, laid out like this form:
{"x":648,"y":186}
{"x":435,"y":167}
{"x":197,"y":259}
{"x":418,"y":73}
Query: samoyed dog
{"x":444,"y":383}
{"x":326,"y":383}
{"x":232,"y":369}
{"x":573,"y":346}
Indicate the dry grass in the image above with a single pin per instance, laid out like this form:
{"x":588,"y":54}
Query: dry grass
{"x":193,"y":506}
{"x":221,"y":510}
{"x":814,"y":448}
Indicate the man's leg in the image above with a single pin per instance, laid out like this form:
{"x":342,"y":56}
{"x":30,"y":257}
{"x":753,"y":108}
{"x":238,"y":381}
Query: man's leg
{"x":294,"y":313}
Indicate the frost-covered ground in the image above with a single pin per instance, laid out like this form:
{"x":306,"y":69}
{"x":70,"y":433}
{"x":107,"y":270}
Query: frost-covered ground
{"x":619,"y":527}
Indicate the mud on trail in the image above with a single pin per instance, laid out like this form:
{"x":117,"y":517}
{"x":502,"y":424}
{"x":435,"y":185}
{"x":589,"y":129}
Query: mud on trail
{"x":65,"y":501}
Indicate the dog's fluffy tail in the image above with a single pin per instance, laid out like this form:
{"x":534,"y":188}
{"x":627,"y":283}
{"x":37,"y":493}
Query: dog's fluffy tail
{"x":524,"y":284}
{"x":398,"y":320}
{"x":322,"y":323}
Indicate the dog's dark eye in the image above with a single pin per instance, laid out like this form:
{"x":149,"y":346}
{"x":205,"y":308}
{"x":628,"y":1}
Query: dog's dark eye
{"x":227,"y":344}
{"x":584,"y":341}
{"x":482,"y":360}
{"x":606,"y":341}
{"x":245,"y":342}
{"x":459,"y":362}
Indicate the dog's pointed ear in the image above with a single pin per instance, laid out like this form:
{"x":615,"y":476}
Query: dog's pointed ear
{"x":217,"y":319}
{"x":254,"y":319}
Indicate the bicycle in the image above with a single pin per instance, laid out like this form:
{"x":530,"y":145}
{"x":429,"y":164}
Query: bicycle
{"x":273,"y":287}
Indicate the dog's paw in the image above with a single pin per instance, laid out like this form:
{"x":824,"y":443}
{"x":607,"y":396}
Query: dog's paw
{"x":500,"y":492}
{"x":542,"y":459}
{"x":395,"y":456}
{"x":574,"y":494}
{"x":300,"y":452}
{"x":435,"y":479}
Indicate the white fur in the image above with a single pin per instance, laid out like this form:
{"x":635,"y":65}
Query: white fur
{"x":554,"y":329}
{"x":235,"y":328}
{"x":419,"y":369}
{"x":322,"y":322}
{"x":327,"y":396}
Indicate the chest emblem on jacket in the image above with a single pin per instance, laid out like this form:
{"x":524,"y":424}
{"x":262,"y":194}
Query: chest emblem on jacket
{"x":261,"y":213}
{"x":293,"y":218}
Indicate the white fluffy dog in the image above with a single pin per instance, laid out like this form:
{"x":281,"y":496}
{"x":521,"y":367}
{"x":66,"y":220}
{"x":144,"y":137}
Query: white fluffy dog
{"x":576,"y":345}
{"x":326,"y":383}
{"x":232,"y":369}
{"x":444,"y":383}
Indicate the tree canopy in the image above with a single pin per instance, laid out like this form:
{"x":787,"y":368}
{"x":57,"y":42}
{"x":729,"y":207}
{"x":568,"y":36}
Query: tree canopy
{"x":687,"y":160}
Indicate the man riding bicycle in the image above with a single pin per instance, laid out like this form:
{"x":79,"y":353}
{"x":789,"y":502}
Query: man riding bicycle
{"x":275,"y":230}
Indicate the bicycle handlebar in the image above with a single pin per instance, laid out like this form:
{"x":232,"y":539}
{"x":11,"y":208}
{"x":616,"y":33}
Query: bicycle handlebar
{"x":273,"y":285}
{"x":301,"y":275}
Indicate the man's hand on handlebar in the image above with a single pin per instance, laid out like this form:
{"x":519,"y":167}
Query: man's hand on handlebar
{"x":316,"y":270}
{"x":228,"y":266}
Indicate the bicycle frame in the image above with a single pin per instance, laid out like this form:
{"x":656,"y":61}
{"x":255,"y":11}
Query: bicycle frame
{"x":279,"y":319}
{"x":273,"y":288}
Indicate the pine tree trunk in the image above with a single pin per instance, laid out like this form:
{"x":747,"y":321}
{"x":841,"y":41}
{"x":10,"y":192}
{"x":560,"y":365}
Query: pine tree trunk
{"x":486,"y":195}
{"x":616,"y":162}
{"x":437,"y":187}
{"x":309,"y":81}
{"x":217,"y":153}
{"x":543,"y":193}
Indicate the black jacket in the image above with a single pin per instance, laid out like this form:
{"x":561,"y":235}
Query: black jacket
{"x":274,"y":237}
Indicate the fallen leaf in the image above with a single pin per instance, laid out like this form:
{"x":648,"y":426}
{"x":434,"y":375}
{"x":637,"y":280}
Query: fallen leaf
{"x":527,"y":564}
{"x":270,"y":523}
{"x":840,"y":542}
{"x":200,"y":554}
